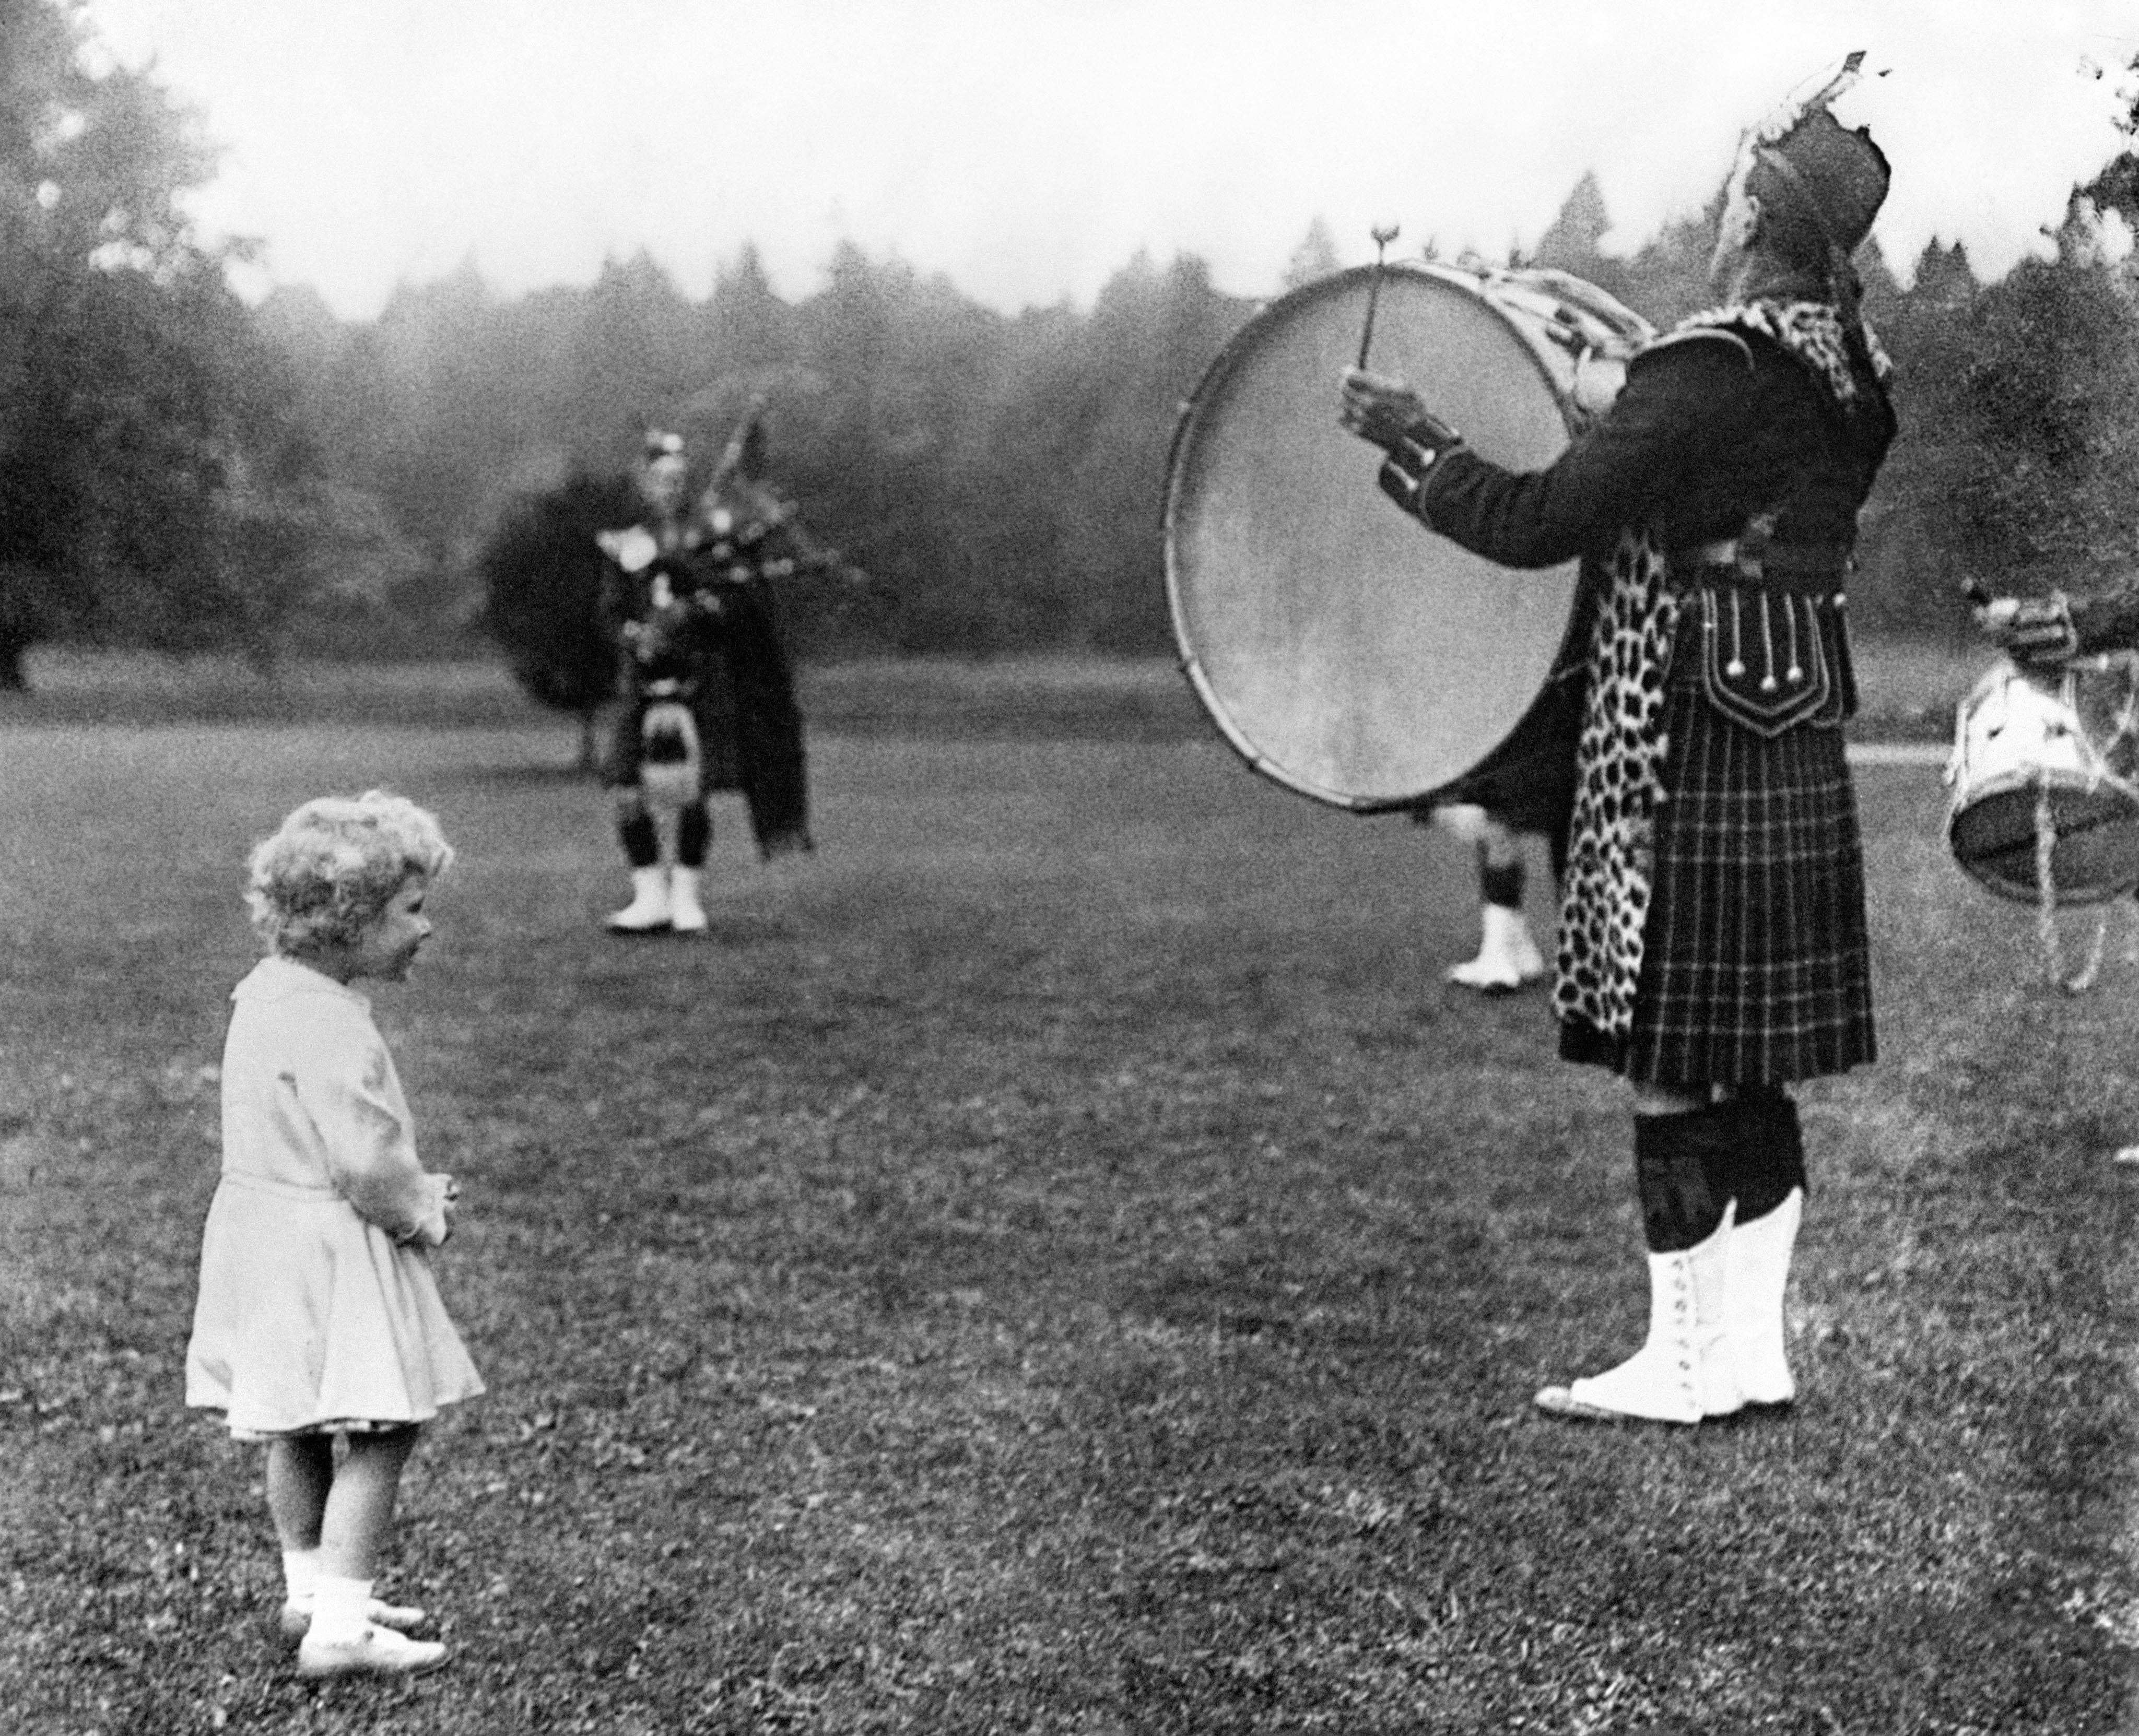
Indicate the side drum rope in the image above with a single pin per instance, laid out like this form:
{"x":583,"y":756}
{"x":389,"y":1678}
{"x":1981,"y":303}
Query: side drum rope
{"x":2046,"y":905}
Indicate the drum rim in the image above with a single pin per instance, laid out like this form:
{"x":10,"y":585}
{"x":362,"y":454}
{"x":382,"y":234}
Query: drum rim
{"x":1192,"y":409}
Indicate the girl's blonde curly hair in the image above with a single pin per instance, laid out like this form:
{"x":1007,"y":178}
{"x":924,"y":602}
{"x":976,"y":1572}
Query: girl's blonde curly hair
{"x":334,"y":864}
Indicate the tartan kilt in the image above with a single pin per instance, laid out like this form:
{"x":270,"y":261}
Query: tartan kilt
{"x":712,"y":709}
{"x":1755,"y":962}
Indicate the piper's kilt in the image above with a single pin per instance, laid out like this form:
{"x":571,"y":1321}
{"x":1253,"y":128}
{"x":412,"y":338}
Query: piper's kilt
{"x":1755,"y":962}
{"x":712,"y":709}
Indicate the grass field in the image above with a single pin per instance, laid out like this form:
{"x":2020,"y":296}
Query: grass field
{"x":1060,"y":1260}
{"x":1908,"y":691}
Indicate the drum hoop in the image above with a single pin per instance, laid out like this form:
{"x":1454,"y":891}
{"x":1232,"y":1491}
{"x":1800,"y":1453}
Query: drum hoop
{"x":1193,"y":408}
{"x":2057,"y":777}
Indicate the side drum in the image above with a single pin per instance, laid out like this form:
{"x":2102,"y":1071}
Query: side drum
{"x":1344,"y":651}
{"x":2046,"y":763}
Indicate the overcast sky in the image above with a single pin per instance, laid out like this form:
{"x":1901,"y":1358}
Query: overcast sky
{"x":1028,"y":148}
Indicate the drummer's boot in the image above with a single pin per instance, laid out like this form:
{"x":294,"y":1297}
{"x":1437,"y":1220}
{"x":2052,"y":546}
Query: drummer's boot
{"x":648,"y":911}
{"x":1682,"y":1373}
{"x":687,"y":916}
{"x":1530,"y":962}
{"x":1769,"y":1182}
{"x":1753,"y":1319}
{"x":1507,"y":956}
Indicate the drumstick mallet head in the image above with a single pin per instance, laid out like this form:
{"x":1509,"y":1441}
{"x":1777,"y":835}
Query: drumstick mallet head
{"x":1382,"y":237}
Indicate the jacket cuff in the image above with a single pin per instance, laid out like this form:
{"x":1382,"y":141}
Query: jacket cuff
{"x":1407,"y":474}
{"x":1404,"y":471}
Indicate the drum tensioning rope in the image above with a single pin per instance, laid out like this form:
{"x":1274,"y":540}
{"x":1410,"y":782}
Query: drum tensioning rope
{"x":2046,"y":837}
{"x":2046,"y":899}
{"x":2046,"y":846}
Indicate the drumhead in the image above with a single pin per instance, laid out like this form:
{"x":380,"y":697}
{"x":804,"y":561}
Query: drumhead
{"x":2095,"y":857}
{"x":1342,"y":648}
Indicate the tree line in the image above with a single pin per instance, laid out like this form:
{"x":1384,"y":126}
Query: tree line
{"x":155,"y":485}
{"x":178,"y":470}
{"x":998,"y":474}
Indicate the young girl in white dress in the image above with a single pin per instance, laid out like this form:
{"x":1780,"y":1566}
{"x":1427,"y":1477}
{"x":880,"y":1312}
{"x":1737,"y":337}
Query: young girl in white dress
{"x":318,"y":1317}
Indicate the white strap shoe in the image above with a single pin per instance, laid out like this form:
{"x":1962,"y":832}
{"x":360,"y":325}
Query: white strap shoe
{"x":376,"y":1651}
{"x":296,"y":1617}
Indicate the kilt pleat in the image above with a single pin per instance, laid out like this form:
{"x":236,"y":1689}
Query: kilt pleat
{"x":1756,"y":963}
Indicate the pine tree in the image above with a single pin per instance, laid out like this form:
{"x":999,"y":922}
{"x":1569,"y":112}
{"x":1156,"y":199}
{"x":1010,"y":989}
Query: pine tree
{"x":1943,"y":277}
{"x":1315,"y":257}
{"x":1570,"y":240}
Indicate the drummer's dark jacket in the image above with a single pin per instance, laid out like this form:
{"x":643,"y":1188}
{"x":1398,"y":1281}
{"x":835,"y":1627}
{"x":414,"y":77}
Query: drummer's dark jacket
{"x":2109,"y":619}
{"x":1744,"y":462}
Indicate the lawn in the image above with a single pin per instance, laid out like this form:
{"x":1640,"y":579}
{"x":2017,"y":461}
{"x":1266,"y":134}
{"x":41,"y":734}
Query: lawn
{"x":1058,"y":1260}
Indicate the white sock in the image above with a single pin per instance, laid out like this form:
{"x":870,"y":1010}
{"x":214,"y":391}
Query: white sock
{"x":339,"y":1609}
{"x":300,"y":1575}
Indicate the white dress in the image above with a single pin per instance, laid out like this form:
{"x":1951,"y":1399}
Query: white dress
{"x":317,"y":1307}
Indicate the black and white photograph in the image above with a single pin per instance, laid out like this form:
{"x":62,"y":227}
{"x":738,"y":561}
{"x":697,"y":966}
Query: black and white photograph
{"x":1069,"y":867}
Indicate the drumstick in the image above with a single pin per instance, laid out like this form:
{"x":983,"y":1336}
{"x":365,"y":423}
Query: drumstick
{"x":1382,"y":237}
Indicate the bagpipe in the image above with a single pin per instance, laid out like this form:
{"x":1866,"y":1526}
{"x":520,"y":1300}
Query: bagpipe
{"x":740,"y":531}
{"x":712,"y":568}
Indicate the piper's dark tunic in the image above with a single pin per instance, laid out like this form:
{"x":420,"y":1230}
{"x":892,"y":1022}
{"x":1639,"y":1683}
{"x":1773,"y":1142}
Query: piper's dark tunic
{"x":724,"y":649}
{"x":1754,"y":960}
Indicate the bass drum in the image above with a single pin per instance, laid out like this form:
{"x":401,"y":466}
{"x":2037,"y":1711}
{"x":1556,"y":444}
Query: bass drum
{"x":1342,"y":648}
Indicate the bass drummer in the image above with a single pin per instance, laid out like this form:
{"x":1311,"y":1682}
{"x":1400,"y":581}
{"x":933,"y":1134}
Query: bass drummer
{"x":1713,"y":946}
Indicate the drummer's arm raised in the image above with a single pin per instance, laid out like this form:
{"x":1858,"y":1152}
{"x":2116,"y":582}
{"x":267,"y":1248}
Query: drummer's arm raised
{"x":2050,"y":631}
{"x":1676,"y":407}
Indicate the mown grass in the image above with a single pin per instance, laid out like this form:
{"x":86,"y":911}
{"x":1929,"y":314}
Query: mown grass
{"x":1908,"y":691}
{"x":1022,"y":697}
{"x":1060,"y":1261}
